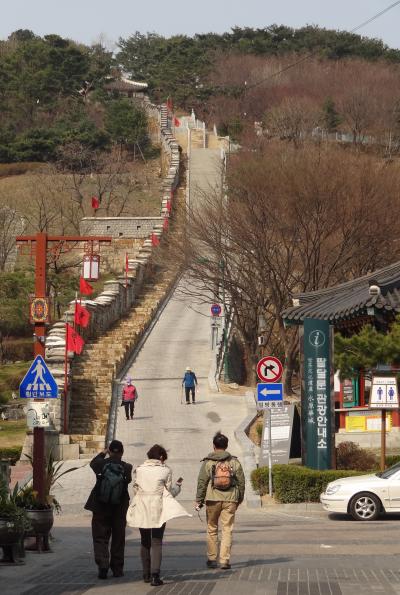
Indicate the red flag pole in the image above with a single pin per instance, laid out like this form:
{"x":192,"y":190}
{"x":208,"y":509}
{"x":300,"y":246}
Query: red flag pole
{"x":76,"y":301}
{"x":66,"y":379}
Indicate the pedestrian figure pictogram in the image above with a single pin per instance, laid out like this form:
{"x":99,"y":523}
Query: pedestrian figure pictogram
{"x":38,"y":382}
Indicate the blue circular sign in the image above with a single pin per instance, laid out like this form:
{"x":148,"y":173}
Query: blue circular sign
{"x":216,"y":309}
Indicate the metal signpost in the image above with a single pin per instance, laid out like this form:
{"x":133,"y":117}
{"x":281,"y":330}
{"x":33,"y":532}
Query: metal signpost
{"x":269,"y":396}
{"x":216,"y":323}
{"x":384,"y":395}
{"x":317,"y":387}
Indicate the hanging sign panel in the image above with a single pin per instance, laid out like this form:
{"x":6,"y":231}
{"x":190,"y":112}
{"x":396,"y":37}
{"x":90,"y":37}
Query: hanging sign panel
{"x":384,"y":393}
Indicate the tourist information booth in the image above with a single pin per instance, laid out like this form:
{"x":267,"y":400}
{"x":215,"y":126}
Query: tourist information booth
{"x":372,"y":299}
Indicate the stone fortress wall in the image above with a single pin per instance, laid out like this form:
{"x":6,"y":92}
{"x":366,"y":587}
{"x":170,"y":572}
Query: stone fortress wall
{"x":118,"y":297}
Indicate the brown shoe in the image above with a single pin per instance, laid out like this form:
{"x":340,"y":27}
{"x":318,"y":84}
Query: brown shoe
{"x":225,"y":566}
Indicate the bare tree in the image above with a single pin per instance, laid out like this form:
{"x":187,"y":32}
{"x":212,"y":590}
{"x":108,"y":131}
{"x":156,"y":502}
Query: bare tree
{"x":293,"y":221}
{"x":11,"y":225}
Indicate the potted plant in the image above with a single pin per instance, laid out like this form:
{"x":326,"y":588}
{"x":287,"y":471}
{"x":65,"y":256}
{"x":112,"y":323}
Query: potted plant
{"x":41,"y":513}
{"x":13,"y":524}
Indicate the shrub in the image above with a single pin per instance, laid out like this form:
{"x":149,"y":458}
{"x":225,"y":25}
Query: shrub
{"x":351,"y":456}
{"x":392,"y":460}
{"x":293,"y":483}
{"x":11,"y":453}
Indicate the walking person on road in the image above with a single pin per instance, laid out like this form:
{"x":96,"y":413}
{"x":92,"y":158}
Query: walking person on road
{"x":129,"y":397}
{"x":109,"y":501}
{"x":189,"y":382}
{"x":221,"y":485}
{"x":152,"y":506}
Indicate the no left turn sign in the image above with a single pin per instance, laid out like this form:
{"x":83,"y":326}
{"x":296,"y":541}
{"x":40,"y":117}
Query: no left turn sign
{"x":269,"y":369}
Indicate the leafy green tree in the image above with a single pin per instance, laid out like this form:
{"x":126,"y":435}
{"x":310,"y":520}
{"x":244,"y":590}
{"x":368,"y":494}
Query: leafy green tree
{"x":126,"y":123}
{"x":366,"y":349}
{"x":330,"y":116}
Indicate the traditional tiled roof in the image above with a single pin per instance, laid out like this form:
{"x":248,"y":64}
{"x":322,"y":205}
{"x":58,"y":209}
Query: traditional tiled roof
{"x":350,"y":299}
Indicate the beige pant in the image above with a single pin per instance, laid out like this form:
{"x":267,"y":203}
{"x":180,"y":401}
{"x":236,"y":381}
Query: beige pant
{"x":224,"y":512}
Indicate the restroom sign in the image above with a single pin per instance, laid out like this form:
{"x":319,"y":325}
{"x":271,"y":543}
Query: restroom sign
{"x":384,"y":393}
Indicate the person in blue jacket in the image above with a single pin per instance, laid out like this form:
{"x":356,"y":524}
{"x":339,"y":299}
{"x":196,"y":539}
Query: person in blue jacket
{"x":189,"y":382}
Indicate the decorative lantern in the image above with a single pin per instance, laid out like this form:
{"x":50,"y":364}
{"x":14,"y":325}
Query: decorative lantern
{"x":91,"y":267}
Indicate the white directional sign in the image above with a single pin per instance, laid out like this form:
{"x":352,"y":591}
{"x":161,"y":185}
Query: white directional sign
{"x":384,"y":393}
{"x":269,"y":394}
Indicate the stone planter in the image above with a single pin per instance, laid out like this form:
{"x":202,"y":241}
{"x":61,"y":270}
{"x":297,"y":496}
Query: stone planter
{"x":11,"y":535}
{"x":41,"y":522}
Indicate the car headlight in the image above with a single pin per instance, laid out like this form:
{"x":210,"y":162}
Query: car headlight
{"x":332,"y":489}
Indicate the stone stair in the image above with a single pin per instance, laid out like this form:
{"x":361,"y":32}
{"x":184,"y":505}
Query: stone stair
{"x":94,"y":371}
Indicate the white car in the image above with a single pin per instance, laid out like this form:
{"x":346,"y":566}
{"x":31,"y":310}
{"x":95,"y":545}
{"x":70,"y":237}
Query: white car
{"x":365,"y":497}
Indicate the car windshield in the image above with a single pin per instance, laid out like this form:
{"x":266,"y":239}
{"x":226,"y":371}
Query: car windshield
{"x":389,"y":472}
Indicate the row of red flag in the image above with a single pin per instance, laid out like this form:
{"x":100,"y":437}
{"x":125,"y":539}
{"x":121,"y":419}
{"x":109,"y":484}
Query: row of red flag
{"x":82,"y":315}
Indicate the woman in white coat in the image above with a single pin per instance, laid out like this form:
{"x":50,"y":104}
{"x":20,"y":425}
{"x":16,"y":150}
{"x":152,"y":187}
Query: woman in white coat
{"x":152,"y":506}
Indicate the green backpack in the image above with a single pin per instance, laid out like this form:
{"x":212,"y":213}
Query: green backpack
{"x":112,"y":483}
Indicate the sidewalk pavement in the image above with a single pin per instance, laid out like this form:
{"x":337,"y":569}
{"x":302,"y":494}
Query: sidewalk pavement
{"x":274,"y":553}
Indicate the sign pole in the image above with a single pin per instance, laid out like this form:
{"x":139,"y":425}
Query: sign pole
{"x":38,"y":455}
{"x":383,"y":439}
{"x":269,"y":451}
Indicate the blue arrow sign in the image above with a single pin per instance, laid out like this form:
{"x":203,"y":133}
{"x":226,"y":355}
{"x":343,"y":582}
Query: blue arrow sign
{"x":38,"y":382}
{"x":269,"y":391}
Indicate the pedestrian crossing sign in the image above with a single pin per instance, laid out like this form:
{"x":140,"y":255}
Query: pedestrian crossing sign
{"x":38,"y":382}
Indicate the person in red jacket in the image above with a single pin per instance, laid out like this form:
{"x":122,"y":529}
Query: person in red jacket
{"x":129,"y":396}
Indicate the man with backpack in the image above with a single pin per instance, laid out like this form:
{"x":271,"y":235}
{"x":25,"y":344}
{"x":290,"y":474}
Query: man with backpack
{"x":109,"y":501}
{"x":221,"y":485}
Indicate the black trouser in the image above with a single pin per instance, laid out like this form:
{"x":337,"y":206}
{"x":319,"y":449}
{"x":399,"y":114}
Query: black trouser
{"x":151,"y":539}
{"x":104,"y":527}
{"x":187,"y":393}
{"x":129,"y":408}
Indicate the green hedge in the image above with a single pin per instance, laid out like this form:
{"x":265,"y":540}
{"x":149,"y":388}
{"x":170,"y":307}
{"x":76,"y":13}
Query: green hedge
{"x":392,"y":460}
{"x":293,"y":483}
{"x":12,"y":453}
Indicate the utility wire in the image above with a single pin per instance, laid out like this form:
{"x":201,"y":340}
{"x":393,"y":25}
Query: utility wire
{"x":312,"y":54}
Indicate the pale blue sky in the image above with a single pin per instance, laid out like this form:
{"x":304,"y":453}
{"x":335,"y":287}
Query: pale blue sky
{"x":85,"y":20}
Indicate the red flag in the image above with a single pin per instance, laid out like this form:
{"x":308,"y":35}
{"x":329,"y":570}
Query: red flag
{"x":176,"y":123}
{"x":84,"y":287}
{"x":154,"y":240}
{"x":126,"y":263}
{"x":166,"y":223}
{"x":168,"y":205}
{"x":170,"y":105}
{"x":82,"y":315}
{"x":95,"y":203}
{"x":75,"y":342}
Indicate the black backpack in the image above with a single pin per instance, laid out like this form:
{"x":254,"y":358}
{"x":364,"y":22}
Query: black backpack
{"x":112,"y":483}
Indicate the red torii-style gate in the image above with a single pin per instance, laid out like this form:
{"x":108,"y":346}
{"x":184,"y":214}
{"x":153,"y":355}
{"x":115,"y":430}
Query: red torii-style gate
{"x":40,"y":243}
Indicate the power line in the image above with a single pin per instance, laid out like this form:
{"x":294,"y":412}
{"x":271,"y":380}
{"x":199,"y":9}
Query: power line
{"x":312,"y":54}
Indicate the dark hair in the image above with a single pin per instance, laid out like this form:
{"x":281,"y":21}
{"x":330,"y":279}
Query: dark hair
{"x":116,"y":446}
{"x":220,"y":441}
{"x":157,"y":452}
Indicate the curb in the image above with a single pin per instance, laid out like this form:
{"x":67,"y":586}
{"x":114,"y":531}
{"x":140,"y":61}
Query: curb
{"x":295,"y":507}
{"x":253,"y":500}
